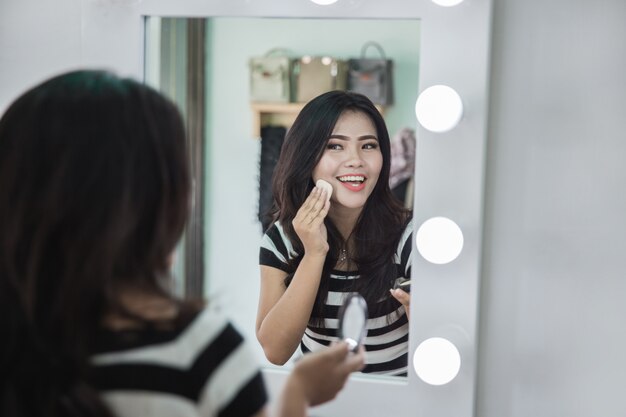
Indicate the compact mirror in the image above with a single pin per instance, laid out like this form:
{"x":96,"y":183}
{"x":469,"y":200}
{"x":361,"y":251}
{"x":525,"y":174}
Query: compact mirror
{"x":403,"y":284}
{"x":352,"y":320}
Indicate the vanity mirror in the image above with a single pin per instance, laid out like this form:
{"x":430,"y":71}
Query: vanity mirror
{"x":230,"y":180}
{"x":453,"y":51}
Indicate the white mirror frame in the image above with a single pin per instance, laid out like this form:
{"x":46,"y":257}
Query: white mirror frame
{"x":449,"y":171}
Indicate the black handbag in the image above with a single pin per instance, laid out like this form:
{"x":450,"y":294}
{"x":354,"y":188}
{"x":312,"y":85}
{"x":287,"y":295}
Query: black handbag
{"x":372,"y":77}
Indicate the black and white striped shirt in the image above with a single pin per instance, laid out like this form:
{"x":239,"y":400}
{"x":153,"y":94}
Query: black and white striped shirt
{"x":387,"y":340}
{"x":201,"y":368}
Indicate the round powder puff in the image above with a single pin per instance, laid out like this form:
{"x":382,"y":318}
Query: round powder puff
{"x":324,"y":185}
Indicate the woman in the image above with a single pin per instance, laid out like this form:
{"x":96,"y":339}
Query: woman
{"x":317,"y":251}
{"x":94,"y":196}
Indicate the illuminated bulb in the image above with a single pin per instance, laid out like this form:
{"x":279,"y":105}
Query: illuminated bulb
{"x":447,"y":3}
{"x":439,"y":108}
{"x":324,"y":2}
{"x":439,"y":240}
{"x":436,"y":361}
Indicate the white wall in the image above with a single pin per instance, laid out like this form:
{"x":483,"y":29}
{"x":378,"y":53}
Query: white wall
{"x":553,"y":319}
{"x":552,"y":326}
{"x":37,"y":39}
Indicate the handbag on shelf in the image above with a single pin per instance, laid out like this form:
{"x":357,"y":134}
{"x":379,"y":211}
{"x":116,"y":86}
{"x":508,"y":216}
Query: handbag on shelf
{"x":316,"y":75}
{"x":372,"y":77}
{"x":270,"y":77}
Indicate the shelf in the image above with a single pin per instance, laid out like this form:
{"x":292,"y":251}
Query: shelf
{"x":277,"y":114}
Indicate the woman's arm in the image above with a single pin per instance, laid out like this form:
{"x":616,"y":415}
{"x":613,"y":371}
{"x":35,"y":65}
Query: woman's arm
{"x":317,"y":378}
{"x":283,"y":313}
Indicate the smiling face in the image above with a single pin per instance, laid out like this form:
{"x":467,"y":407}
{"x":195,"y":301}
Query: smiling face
{"x":351,"y":161}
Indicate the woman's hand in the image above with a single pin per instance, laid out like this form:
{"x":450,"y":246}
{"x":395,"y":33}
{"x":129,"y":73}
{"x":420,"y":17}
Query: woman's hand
{"x":309,"y":223}
{"x":321,"y":375}
{"x":404,"y":298}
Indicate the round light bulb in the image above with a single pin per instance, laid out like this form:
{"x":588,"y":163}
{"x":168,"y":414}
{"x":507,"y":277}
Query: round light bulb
{"x":324,"y":2}
{"x":439,"y":108}
{"x":447,"y":3}
{"x":439,"y":240}
{"x":437,"y":361}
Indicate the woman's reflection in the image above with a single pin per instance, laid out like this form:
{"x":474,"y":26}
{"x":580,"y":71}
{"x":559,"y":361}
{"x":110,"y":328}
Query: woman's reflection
{"x":318,"y":251}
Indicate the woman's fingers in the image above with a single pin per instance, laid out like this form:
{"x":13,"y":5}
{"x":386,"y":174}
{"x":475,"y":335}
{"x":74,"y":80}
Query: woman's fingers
{"x":403,"y":297}
{"x":355,"y":361}
{"x":314,"y":206}
{"x":317,"y":210}
{"x":309,"y":222}
{"x":320,"y":214}
{"x":340,"y":352}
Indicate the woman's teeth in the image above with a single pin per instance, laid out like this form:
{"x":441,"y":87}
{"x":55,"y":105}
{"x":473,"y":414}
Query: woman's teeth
{"x":352,"y":178}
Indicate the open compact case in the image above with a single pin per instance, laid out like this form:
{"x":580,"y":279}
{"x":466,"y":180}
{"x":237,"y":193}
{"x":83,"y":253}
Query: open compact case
{"x":353,"y":316}
{"x":403,"y":284}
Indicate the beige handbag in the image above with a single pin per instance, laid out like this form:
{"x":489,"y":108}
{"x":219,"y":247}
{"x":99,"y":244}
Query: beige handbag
{"x":317,"y":75}
{"x":270,"y":77}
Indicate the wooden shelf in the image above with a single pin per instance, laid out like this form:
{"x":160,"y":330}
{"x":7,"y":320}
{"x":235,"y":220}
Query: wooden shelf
{"x":277,"y":114}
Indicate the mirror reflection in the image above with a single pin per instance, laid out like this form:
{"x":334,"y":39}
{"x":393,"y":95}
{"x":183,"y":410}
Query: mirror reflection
{"x":234,"y":231}
{"x":318,"y":250}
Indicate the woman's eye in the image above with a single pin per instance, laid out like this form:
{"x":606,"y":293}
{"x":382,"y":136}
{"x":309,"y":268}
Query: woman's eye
{"x":371,"y":145}
{"x":334,"y":146}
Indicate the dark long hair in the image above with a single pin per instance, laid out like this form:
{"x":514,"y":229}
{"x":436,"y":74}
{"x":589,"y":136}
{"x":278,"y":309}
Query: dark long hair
{"x":94,"y":196}
{"x":382,"y":220}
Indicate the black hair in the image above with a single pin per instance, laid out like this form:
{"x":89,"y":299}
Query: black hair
{"x":94,"y":196}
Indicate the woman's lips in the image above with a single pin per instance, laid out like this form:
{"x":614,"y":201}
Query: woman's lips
{"x":352,"y":182}
{"x":354,"y":186}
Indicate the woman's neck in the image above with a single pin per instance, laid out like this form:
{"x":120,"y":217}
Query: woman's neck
{"x":147,"y":306}
{"x":344,"y":220}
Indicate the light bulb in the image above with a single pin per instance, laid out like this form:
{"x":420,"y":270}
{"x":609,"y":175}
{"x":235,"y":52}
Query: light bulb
{"x":439,"y":108}
{"x":436,"y":361}
{"x":439,"y":240}
{"x":447,"y":3}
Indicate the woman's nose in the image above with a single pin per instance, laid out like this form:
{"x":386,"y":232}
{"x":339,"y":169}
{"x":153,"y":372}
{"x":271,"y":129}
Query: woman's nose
{"x":354,"y":159}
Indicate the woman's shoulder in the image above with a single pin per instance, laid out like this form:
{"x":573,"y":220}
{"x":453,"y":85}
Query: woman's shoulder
{"x":209,"y":336}
{"x":275,"y":227}
{"x":210,"y":326}
{"x":206,"y":356}
{"x":276,"y":247}
{"x":146,"y":334}
{"x":406,"y":229}
{"x":408,"y":226}
{"x":405,"y":243}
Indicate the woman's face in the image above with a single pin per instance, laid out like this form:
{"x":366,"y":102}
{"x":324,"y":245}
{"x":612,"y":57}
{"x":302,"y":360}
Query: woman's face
{"x":351,"y":161}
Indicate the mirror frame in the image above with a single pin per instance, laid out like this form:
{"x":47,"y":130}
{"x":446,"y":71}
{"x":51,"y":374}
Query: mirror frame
{"x":449,"y":175}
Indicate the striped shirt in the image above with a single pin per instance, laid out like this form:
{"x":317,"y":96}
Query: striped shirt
{"x":200,"y":368}
{"x":387,"y":340}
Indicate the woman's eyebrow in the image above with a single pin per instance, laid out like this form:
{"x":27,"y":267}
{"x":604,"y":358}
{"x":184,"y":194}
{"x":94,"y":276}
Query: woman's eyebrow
{"x":344,"y":137}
